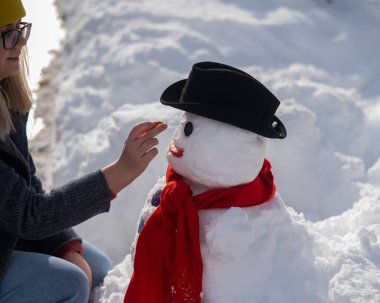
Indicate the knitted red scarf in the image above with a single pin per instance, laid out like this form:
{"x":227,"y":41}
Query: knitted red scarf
{"x":168,"y":264}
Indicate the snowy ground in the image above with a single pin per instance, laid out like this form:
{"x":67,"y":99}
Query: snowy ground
{"x":319,"y":58}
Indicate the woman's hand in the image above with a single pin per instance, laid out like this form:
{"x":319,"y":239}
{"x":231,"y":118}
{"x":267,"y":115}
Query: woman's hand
{"x":138,"y":150}
{"x":77,"y":259}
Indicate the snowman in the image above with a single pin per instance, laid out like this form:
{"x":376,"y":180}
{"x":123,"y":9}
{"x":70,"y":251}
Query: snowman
{"x":214,"y":229}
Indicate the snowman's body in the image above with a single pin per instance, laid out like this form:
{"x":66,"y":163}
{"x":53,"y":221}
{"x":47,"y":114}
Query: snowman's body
{"x":245,"y":251}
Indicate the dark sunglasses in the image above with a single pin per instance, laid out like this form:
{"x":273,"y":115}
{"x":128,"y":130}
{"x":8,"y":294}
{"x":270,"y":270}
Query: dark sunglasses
{"x":10,"y":38}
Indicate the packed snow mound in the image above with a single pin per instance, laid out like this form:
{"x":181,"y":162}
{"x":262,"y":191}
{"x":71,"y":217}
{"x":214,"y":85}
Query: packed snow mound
{"x":119,"y":56}
{"x":285,"y":257}
{"x":245,"y":248}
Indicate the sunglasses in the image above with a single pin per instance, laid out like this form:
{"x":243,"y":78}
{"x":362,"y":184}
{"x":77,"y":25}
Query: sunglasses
{"x":11,"y":37}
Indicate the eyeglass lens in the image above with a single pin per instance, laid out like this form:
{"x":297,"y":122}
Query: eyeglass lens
{"x":11,"y":37}
{"x":25,"y":31}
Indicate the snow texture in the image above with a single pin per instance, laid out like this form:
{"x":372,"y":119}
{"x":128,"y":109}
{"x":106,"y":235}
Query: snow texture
{"x":319,"y":241}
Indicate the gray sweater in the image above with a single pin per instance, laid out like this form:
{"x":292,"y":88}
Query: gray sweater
{"x":31,"y":219}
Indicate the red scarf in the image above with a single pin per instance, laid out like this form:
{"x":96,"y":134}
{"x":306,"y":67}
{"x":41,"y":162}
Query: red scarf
{"x":168,"y":263}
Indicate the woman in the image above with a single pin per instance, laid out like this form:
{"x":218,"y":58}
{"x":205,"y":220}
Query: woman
{"x":41,"y":258}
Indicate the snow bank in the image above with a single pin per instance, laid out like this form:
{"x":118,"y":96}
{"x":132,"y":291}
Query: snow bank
{"x":319,"y":58}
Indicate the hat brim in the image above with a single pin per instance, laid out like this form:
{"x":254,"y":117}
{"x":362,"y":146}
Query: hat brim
{"x":172,"y":95}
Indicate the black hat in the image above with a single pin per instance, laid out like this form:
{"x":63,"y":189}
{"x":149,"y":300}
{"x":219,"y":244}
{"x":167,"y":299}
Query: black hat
{"x":227,"y":94}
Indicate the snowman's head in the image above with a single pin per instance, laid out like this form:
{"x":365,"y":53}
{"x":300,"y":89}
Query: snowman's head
{"x":213,"y":154}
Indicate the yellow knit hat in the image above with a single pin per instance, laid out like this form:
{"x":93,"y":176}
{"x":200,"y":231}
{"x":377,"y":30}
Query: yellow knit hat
{"x":11,"y":11}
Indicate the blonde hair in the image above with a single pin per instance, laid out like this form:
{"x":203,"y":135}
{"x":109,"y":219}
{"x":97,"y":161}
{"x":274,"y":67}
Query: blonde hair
{"x":15,"y":96}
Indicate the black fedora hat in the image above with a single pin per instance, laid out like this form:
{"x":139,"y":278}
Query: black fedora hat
{"x":227,"y":94}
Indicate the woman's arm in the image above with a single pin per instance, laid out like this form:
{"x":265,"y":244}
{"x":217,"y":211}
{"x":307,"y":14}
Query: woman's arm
{"x":32,"y":216}
{"x":29,"y":215}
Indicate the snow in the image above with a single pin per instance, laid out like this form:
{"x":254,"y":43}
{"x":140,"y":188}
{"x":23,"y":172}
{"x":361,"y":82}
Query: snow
{"x":320,"y":58}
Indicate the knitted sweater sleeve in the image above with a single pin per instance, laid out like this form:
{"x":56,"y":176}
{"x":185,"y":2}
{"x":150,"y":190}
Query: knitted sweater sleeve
{"x":51,"y":245}
{"x":30,"y":215}
{"x":35,"y":181}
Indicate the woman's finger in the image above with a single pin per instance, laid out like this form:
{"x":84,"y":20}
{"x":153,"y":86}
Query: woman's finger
{"x":148,"y":156}
{"x":154,"y":131}
{"x":140,"y":129}
{"x":147,"y":144}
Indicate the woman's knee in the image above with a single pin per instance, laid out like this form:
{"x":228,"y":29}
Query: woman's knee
{"x":76,"y":285}
{"x":99,"y":263}
{"x":33,"y":277}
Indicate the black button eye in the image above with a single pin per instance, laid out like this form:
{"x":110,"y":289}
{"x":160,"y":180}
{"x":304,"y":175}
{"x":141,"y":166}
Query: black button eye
{"x":188,"y":129}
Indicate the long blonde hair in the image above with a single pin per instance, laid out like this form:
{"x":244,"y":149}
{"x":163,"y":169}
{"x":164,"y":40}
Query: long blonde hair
{"x":15,"y":95}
